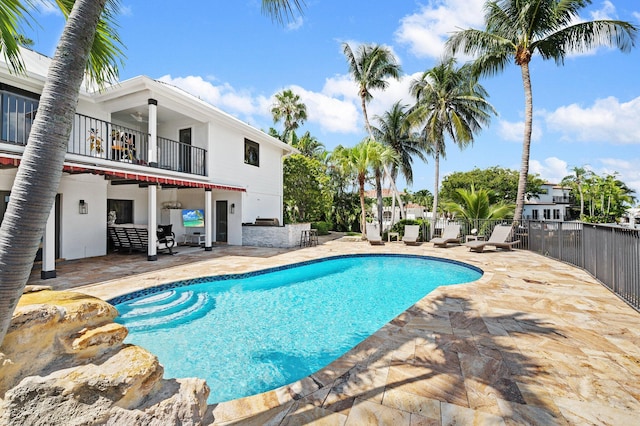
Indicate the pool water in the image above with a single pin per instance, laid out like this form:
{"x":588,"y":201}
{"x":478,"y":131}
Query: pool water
{"x":251,"y":333}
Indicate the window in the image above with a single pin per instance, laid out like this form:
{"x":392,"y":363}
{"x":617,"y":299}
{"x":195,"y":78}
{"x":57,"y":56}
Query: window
{"x":534,"y":215}
{"x":556,"y":214}
{"x":123,"y":209}
{"x":251,"y":153}
{"x":18,"y":113}
{"x":547,"y":214}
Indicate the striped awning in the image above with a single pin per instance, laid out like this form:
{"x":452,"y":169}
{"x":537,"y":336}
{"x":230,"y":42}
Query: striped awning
{"x":132,"y":177}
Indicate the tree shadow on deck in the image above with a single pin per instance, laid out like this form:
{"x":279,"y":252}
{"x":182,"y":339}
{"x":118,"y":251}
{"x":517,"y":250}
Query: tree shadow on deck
{"x":439,"y":358}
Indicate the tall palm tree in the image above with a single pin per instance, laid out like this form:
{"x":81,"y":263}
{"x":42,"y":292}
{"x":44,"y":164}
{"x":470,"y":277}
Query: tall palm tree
{"x":449,"y":102}
{"x":518,"y":29}
{"x":394,"y":130}
{"x":307,"y":145}
{"x":289,"y":109}
{"x":38,"y":176}
{"x":371,"y":66}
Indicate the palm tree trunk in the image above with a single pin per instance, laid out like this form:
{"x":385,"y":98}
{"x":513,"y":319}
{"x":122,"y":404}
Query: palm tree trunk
{"x":363,"y":214}
{"x":436,"y":165}
{"x":379,"y":196}
{"x":40,"y":170}
{"x":526,"y":143}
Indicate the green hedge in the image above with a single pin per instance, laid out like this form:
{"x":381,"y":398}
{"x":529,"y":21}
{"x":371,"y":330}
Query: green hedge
{"x":322,"y":227}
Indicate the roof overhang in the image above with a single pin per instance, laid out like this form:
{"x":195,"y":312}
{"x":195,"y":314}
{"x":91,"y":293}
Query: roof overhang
{"x":125,"y":177}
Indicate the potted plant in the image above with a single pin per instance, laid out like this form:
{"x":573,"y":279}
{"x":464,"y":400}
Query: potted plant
{"x":95,"y":143}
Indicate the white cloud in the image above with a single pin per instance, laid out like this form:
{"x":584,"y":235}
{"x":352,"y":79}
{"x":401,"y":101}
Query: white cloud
{"x":427,"y":30}
{"x":552,"y":169}
{"x":608,"y":11}
{"x":607,"y":120}
{"x":514,"y":131}
{"x":47,"y":7}
{"x":328,"y":111}
{"x":627,"y":170}
{"x":295,"y":24}
{"x":240,"y":103}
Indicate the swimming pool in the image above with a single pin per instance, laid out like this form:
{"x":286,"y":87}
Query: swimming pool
{"x":249,"y":333}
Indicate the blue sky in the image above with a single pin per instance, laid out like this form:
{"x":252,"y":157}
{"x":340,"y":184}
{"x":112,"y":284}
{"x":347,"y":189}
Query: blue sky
{"x":586,"y":113}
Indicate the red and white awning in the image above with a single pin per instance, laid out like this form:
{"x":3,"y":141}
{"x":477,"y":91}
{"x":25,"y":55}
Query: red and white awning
{"x":135,"y":177}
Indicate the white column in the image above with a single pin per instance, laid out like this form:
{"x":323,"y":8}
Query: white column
{"x":49,"y":246}
{"x":152,"y":251}
{"x":208,"y":219}
{"x":153,"y":132}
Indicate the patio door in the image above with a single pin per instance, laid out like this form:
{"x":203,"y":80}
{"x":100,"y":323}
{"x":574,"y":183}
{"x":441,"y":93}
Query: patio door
{"x":221,"y":221}
{"x":184,"y":153}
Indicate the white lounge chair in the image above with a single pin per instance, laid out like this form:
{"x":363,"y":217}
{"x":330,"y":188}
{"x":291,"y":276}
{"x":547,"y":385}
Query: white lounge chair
{"x":450,"y":234}
{"x":411,"y":233}
{"x":373,"y":235}
{"x":498,"y":239}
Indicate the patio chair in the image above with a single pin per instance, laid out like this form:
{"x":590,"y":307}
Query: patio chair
{"x":373,"y":235}
{"x":450,"y":234}
{"x":166,"y":238}
{"x":411,"y":233}
{"x":498,"y":239}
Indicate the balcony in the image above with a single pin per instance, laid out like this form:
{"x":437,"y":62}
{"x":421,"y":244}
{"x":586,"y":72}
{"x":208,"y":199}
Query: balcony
{"x":96,"y":138}
{"x":561,"y":199}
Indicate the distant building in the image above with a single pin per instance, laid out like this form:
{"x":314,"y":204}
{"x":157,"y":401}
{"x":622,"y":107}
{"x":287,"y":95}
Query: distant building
{"x":552,"y":203}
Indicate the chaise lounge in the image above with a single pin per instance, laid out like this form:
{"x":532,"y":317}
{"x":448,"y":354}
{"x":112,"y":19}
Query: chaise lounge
{"x":451,"y":234}
{"x":411,"y":233}
{"x":498,"y":239}
{"x":373,"y":235}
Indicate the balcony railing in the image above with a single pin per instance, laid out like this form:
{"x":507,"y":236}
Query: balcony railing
{"x":92,"y":137}
{"x":559,"y":199}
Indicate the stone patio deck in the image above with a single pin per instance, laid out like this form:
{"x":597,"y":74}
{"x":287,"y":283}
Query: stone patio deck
{"x":534,"y":341}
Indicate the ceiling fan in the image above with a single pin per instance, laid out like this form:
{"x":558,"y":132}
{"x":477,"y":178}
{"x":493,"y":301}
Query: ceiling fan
{"x":139,"y":117}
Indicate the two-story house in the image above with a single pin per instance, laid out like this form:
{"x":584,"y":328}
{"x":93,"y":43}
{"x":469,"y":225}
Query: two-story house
{"x":552,"y":203}
{"x":145,"y":151}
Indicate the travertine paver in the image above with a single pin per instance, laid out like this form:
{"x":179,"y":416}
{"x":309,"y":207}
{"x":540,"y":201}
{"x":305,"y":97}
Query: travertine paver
{"x":534,"y":341}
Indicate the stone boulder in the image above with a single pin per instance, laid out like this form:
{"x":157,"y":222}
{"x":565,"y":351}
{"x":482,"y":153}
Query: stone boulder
{"x":63,"y":361}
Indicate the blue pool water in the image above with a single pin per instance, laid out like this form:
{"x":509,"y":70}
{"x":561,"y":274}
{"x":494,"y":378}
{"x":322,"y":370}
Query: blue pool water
{"x":250,"y":333}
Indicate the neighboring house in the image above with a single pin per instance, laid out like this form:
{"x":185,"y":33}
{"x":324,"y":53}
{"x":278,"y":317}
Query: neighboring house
{"x":552,"y":203}
{"x":146,"y":150}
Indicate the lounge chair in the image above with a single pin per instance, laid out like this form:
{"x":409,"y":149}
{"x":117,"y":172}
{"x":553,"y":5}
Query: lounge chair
{"x":498,"y":239}
{"x":450,"y":234}
{"x":373,"y":235}
{"x":411,"y":233}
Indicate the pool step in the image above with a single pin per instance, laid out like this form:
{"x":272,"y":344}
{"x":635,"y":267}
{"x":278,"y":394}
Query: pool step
{"x":165,"y":310}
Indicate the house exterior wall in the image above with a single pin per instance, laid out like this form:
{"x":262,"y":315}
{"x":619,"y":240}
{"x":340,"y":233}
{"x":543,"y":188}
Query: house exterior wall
{"x":223,"y":136}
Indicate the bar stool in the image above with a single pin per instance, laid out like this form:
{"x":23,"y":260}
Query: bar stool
{"x":313,"y":237}
{"x":304,"y":238}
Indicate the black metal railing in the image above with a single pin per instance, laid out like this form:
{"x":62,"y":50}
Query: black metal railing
{"x":97,"y":138}
{"x":181,"y":157}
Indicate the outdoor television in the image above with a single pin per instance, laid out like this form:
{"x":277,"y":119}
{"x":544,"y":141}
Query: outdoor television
{"x":193,"y":218}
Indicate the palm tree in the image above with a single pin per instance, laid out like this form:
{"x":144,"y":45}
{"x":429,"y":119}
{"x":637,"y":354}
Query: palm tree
{"x":359,"y":161}
{"x":449,"y":102}
{"x":291,"y":110}
{"x":518,"y":29}
{"x":394,"y":131}
{"x":371,"y":66}
{"x":475,"y":207}
{"x":307,"y":145}
{"x":576,"y":182}
{"x":88,"y":40}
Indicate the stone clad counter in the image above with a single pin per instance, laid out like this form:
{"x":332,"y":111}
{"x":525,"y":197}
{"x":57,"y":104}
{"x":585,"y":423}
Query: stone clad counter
{"x":286,"y":236}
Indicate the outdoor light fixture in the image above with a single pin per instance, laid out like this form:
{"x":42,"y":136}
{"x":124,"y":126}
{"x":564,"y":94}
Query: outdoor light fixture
{"x":83,"y":207}
{"x":232,"y":209}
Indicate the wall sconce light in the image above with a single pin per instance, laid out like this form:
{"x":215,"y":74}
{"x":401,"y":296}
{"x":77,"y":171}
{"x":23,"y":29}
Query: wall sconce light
{"x":83,"y":207}
{"x":232,"y":209}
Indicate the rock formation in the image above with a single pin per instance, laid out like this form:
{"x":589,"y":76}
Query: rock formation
{"x":63,"y":361}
